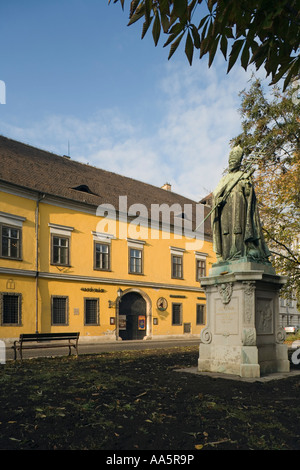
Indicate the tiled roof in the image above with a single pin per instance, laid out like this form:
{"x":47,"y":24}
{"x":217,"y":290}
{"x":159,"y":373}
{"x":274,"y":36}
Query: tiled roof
{"x":50,"y":174}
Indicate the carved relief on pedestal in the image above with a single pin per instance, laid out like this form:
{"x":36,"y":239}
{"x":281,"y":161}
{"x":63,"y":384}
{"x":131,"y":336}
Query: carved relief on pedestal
{"x":280,"y":335}
{"x":264,"y":309}
{"x":249,"y":337}
{"x":205,"y":336}
{"x":225,"y":291}
{"x":249,"y":297}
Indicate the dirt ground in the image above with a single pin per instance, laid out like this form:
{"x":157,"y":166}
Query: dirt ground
{"x":137,"y":400}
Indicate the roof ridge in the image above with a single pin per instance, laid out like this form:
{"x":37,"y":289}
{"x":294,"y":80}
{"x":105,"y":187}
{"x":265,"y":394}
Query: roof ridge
{"x":77,"y":162}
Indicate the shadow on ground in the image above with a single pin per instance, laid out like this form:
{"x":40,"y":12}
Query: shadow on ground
{"x":136,"y":400}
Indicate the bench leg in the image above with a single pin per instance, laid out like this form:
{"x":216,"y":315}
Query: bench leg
{"x":75,"y":347}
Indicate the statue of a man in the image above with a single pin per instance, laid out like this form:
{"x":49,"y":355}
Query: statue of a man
{"x":236,"y":225}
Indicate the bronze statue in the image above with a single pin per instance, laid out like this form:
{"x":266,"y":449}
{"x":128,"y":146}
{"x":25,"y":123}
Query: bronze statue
{"x":236,"y":225}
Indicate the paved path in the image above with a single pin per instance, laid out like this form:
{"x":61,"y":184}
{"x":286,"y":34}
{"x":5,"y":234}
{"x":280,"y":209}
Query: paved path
{"x":86,"y":348}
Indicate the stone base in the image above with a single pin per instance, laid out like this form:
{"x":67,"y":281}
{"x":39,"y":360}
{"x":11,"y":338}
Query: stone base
{"x":241,"y":265}
{"x":242,"y":335}
{"x":236,"y":360}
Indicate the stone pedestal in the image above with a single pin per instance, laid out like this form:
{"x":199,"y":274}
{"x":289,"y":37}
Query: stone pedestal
{"x":242,"y":335}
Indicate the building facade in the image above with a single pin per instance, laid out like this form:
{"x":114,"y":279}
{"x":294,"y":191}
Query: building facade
{"x":83,"y":249}
{"x":289,"y":314}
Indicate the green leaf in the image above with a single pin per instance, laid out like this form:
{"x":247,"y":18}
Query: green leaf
{"x":164,"y":7}
{"x":146,"y":25}
{"x":223,"y":46}
{"x":156,"y":29}
{"x":190,"y":8}
{"x":140,"y":11}
{"x":164,"y":22}
{"x":180,"y":8}
{"x":189,"y":48}
{"x":293,"y":71}
{"x":203,"y":20}
{"x":196,"y":36}
{"x":148,"y":9}
{"x":177,"y":28}
{"x":170,"y":39}
{"x":236,"y":48}
{"x":133,"y":6}
{"x":212,"y":50}
{"x":203,"y":48}
{"x":175,"y":45}
{"x":245,"y":56}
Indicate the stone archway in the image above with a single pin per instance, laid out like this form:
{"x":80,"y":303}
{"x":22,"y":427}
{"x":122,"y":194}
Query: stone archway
{"x":134,"y":315}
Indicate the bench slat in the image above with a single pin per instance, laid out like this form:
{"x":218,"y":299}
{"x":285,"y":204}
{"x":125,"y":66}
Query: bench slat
{"x":44,"y":340}
{"x":47,"y":336}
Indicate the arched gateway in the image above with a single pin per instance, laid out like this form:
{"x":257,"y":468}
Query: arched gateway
{"x":134,"y":313}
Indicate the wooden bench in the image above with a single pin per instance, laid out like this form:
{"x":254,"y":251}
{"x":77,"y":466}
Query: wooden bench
{"x":46,"y":340}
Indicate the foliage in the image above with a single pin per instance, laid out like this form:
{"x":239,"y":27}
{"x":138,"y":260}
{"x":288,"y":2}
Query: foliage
{"x":271,"y":134}
{"x":258,"y":31}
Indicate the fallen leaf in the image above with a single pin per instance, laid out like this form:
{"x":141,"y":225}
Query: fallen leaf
{"x":199,"y":446}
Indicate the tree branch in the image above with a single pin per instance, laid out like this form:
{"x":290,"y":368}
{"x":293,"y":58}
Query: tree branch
{"x":295,"y":259}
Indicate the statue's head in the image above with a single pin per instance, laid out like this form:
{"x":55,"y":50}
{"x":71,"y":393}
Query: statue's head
{"x":235,"y":158}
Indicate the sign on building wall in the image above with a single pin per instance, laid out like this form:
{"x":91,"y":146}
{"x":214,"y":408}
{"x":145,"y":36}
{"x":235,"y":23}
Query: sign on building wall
{"x":142,"y":322}
{"x":122,"y":322}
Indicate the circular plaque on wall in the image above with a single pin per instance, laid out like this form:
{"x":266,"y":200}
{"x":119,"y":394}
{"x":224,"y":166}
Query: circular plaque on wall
{"x":162,"y":303}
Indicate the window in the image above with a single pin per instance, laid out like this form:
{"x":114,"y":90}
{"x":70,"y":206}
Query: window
{"x":200,"y":268}
{"x":176,"y":314}
{"x":60,"y":244}
{"x":59,"y":310}
{"x":91,"y":311}
{"x":102,"y":256}
{"x":83,"y":188}
{"x":60,"y":250}
{"x":135,"y":261}
{"x":135,"y":256}
{"x":11,"y":309}
{"x":10,"y":242}
{"x":177,"y":271}
{"x":11,"y":235}
{"x":200,"y":315}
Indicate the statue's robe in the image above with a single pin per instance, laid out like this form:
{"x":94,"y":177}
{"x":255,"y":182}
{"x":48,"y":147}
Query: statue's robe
{"x":236,"y":225}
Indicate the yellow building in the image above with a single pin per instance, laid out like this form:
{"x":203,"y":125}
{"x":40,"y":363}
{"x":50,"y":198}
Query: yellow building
{"x":87,"y":250}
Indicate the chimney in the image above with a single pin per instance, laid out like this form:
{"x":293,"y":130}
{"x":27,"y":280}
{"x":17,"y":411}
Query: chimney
{"x":166,"y":186}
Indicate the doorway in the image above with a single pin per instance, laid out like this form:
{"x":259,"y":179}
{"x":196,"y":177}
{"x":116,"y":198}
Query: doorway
{"x":132,"y":316}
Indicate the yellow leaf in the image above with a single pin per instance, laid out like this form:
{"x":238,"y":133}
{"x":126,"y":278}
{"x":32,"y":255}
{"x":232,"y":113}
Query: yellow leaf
{"x":199,"y":446}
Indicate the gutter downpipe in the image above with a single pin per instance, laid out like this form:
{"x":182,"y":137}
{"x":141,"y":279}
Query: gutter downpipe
{"x":37,"y":213}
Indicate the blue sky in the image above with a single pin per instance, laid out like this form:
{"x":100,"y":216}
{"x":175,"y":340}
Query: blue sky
{"x":77,"y":77}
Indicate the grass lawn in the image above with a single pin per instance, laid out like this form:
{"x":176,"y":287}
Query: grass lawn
{"x":136,"y":400}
